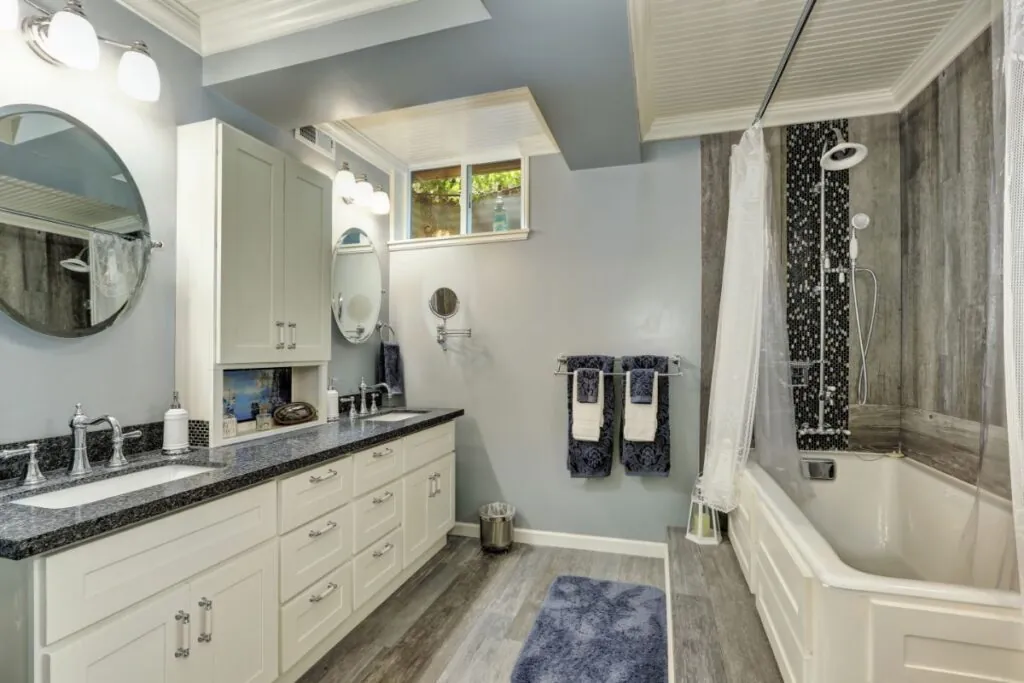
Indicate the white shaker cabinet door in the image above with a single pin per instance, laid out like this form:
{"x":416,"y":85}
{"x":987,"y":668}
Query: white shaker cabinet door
{"x":143,"y":643}
{"x":307,"y":259}
{"x":251,"y":325}
{"x":417,"y":488}
{"x":234,"y":619}
{"x":441,"y":512}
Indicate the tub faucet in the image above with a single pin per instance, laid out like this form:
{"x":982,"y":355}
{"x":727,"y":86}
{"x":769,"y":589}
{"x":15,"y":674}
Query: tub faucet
{"x":80,"y":423}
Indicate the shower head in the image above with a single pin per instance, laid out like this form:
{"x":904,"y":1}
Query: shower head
{"x":76,"y":264}
{"x":860,"y":221}
{"x":845,"y":155}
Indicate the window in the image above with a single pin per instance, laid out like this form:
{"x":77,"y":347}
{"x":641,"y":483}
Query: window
{"x":468,"y":200}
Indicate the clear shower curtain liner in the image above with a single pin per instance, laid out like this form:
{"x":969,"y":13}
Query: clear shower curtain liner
{"x":751,"y":379}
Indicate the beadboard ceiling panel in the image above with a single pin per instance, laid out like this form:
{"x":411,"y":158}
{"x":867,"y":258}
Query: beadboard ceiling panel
{"x":501,"y":125}
{"x":213,"y":26}
{"x":704,"y":66}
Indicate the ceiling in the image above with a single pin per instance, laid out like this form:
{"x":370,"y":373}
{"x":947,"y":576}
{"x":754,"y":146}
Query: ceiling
{"x":213,"y":26}
{"x":704,"y":67}
{"x":501,"y":125}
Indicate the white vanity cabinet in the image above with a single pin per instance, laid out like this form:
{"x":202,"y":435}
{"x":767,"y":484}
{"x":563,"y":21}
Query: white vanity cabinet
{"x":253,"y":587}
{"x":254,"y":246}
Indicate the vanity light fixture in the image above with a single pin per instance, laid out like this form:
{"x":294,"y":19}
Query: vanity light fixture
{"x":345,"y":184}
{"x":64,"y":37}
{"x":380,"y":203}
{"x":363,"y":192}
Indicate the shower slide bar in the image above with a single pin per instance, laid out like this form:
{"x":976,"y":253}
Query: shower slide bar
{"x":674,"y":360}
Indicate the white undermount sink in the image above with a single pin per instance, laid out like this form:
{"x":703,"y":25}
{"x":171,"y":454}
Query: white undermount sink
{"x":114,"y":486}
{"x":396,"y":416}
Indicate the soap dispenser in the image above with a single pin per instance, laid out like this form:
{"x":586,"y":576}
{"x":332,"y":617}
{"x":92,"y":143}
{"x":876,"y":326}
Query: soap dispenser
{"x":176,"y":428}
{"x":332,"y":402}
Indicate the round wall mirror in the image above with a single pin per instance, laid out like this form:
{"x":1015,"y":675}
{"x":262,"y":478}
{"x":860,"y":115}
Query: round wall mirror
{"x":356,"y":286}
{"x":444,"y":303}
{"x":74,"y":237}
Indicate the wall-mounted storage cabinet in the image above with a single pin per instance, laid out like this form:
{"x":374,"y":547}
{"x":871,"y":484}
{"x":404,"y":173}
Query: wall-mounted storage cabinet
{"x":253,"y":264}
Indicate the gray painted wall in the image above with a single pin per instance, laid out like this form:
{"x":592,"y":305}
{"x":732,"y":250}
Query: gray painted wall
{"x":612,"y":267}
{"x":128,"y":370}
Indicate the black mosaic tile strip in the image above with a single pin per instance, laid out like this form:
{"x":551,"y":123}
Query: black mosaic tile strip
{"x":55,"y":452}
{"x":27,"y":531}
{"x":198,"y":433}
{"x":805,"y":145}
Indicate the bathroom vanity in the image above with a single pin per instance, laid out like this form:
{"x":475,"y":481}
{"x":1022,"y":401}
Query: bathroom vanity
{"x":248,"y":567}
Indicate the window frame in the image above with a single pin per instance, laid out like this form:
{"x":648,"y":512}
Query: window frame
{"x":404,"y":240}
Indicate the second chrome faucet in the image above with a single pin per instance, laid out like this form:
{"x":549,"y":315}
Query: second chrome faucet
{"x":80,"y":423}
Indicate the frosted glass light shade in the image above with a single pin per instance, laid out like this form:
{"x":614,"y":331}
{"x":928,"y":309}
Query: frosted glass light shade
{"x":71,"y":40}
{"x":8,"y":15}
{"x":345,"y":183}
{"x":363,"y":191}
{"x":138,"y":75}
{"x":380,"y":203}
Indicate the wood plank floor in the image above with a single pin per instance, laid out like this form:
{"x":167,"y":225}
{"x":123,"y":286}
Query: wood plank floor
{"x":717,"y":635}
{"x":465,"y":615}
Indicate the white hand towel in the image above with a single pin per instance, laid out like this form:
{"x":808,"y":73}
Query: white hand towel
{"x":587,"y":418}
{"x":640,"y":420}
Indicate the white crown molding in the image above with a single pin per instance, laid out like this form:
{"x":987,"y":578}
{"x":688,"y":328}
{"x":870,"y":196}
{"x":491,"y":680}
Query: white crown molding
{"x":362,"y":146}
{"x":973,"y":18}
{"x":557,"y":539}
{"x":171,"y":17}
{"x":866,"y":103}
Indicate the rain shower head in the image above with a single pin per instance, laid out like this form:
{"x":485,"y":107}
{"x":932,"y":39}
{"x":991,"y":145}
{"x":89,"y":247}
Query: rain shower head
{"x":76,"y":264}
{"x":845,"y":155}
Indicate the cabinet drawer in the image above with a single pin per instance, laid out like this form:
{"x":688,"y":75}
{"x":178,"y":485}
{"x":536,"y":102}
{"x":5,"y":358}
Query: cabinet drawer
{"x":315,"y":492}
{"x":309,"y":552}
{"x":377,"y":513}
{"x":313,"y":614}
{"x":428,"y":446}
{"x":97,"y":579}
{"x":377,"y":466}
{"x":376,"y":566}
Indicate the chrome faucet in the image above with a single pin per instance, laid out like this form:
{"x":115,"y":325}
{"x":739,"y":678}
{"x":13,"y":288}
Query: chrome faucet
{"x":363,"y":389}
{"x":80,"y":423}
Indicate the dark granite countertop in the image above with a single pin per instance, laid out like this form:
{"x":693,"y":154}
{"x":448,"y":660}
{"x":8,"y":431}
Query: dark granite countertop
{"x":27,"y":531}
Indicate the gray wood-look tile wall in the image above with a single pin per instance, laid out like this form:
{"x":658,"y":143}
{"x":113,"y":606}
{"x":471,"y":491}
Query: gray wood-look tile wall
{"x":926,"y":187}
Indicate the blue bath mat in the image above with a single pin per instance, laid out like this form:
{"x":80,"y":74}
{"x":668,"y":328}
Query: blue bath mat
{"x":596,"y":632}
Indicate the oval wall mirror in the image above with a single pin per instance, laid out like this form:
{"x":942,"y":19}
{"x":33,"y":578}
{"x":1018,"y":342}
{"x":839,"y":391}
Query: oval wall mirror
{"x":444,"y":303}
{"x":356,"y":286}
{"x":74,"y":237}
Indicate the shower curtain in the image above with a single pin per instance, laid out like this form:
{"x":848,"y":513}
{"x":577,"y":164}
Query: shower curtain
{"x":751,"y":380}
{"x":1009,"y":63}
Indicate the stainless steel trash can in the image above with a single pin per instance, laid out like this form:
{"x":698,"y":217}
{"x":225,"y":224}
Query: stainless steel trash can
{"x":497,"y":522}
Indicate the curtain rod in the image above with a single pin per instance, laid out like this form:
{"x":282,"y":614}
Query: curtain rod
{"x":781,"y":69}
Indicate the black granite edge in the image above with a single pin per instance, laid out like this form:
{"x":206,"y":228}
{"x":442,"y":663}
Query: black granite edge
{"x":131,"y":515}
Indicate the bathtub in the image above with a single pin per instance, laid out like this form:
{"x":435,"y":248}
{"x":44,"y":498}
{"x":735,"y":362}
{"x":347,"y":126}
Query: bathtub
{"x":863,"y":585}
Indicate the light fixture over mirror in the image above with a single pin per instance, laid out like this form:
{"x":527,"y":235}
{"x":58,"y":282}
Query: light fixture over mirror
{"x":345,"y":184}
{"x":353,"y":189}
{"x":65,"y":37}
{"x":380,"y":203}
{"x":363,"y":192}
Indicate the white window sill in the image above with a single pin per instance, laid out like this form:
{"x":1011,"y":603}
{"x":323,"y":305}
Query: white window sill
{"x":458,"y":240}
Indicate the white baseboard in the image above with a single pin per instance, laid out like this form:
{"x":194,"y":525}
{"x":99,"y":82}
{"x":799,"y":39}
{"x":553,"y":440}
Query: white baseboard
{"x":557,"y":539}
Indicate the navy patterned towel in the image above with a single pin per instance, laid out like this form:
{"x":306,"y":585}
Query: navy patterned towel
{"x":389,"y":367}
{"x":641,"y":386}
{"x":589,"y":459}
{"x":586,"y":385}
{"x":650,"y":458}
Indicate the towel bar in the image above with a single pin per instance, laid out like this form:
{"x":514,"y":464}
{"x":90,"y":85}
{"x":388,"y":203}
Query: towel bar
{"x":675,"y":360}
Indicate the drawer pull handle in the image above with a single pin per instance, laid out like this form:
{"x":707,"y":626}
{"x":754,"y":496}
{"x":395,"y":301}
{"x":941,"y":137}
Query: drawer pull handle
{"x":331,"y":587}
{"x":383,"y":551}
{"x":317,"y":478}
{"x":383,"y":499}
{"x":316,"y":533}
{"x":280,"y":334}
{"x":184,"y":634}
{"x":294,"y":333}
{"x":206,"y":622}
{"x":381,"y":454}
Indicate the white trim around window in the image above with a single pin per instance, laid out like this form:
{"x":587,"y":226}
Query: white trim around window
{"x":402,"y":210}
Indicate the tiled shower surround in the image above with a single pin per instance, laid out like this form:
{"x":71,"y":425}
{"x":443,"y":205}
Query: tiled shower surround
{"x":805,"y":145}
